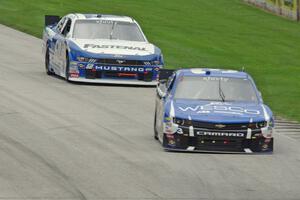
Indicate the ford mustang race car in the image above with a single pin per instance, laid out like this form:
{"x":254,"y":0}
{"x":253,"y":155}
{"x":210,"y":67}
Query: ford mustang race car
{"x":100,"y":49}
{"x":211,"y":110}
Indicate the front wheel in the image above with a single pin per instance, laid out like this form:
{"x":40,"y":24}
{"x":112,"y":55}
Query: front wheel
{"x":47,"y":63}
{"x":155,"y":130}
{"x":67,"y":72}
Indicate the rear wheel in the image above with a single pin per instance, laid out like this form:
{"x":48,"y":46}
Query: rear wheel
{"x":47,"y":63}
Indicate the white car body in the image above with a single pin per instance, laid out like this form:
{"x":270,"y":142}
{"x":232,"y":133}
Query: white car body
{"x":114,"y":61}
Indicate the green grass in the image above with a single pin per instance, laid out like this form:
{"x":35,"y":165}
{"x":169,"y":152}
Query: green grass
{"x":193,"y":33}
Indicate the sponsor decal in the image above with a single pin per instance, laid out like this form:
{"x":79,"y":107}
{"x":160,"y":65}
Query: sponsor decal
{"x":92,"y":60}
{"x":95,"y":46}
{"x":90,"y":66}
{"x":179,"y":131}
{"x":215,"y":79}
{"x":104,"y":22}
{"x":264,"y":147}
{"x":122,"y":69}
{"x":81,"y":66}
{"x":168,"y":119}
{"x":221,"y":108}
{"x":118,"y":56}
{"x":74,"y":75}
{"x":120,"y":61}
{"x":219,"y":134}
{"x":73,"y":63}
{"x":73,"y":71}
{"x":73,"y":68}
{"x":268,"y":140}
{"x":220,"y":125}
{"x":171,"y":140}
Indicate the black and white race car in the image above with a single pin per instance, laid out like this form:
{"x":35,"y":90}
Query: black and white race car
{"x":100,"y":49}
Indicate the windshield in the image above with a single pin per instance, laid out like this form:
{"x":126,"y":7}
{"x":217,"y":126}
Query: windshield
{"x":103,"y":29}
{"x":215,"y":89}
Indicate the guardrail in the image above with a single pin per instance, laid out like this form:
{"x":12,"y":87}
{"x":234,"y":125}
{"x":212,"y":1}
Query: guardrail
{"x":286,"y":8}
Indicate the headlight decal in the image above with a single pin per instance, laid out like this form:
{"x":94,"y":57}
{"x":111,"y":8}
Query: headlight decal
{"x":183,"y":122}
{"x":267,"y":132}
{"x":168,"y":126}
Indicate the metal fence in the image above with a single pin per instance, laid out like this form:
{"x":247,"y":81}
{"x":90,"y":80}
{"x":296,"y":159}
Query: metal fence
{"x":287,"y":8}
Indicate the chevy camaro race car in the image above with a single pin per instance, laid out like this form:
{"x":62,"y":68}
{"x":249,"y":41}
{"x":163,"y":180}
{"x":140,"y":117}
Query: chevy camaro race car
{"x":211,"y":110}
{"x":100,"y":49}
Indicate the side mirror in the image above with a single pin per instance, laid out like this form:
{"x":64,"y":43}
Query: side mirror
{"x":164,"y":74}
{"x":161,"y":89}
{"x":51,"y":19}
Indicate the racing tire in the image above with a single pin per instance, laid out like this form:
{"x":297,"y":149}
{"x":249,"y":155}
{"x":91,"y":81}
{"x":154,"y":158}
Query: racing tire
{"x":67,"y":74}
{"x":47,"y":63}
{"x":155,"y":130}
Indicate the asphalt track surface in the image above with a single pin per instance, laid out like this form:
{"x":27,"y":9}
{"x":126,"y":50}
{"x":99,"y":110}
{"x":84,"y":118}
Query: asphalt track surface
{"x":73,"y":141}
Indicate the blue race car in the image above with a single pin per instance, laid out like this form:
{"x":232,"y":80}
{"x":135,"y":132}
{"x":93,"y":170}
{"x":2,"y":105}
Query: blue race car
{"x":100,"y":48}
{"x":210,"y":110}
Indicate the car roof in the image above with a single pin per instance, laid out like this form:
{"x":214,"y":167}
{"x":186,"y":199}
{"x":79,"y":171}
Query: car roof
{"x":212,"y":72}
{"x":100,"y":16}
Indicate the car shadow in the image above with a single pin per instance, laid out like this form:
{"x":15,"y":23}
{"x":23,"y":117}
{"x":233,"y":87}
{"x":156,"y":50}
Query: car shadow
{"x":218,"y":153}
{"x":102,"y":84}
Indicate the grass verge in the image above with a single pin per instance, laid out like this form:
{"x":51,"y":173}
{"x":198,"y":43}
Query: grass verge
{"x":195,"y":33}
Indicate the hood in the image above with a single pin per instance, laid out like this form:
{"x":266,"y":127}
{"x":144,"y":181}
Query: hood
{"x":115,"y":47}
{"x":220,"y":112}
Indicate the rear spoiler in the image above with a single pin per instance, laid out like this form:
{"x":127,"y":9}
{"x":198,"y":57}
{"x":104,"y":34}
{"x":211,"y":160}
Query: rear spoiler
{"x":51,"y":19}
{"x":164,"y":74}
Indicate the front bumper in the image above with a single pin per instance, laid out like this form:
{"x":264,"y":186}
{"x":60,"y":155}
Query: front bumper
{"x":114,"y":81}
{"x":113,"y":74}
{"x":179,"y":142}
